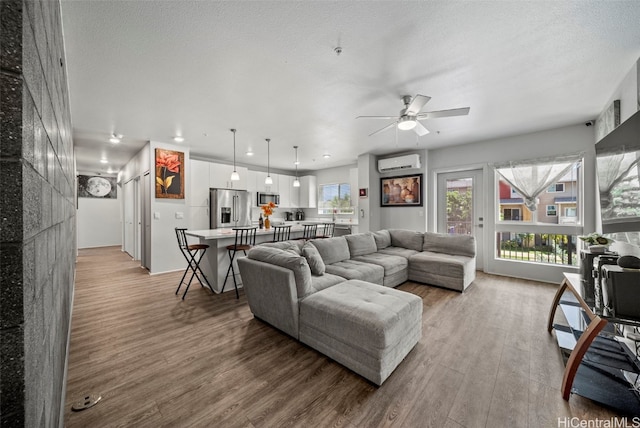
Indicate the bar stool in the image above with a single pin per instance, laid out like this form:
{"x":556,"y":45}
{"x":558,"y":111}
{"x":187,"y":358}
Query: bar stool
{"x":190,"y":253}
{"x":327,"y":230}
{"x":281,"y":233}
{"x":245,"y":239}
{"x":310,"y":231}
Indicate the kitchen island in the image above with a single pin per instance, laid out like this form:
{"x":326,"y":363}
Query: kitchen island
{"x":215,"y":262}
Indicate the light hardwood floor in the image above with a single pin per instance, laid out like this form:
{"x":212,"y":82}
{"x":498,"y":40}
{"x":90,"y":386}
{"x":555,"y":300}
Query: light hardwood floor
{"x":485,"y":360}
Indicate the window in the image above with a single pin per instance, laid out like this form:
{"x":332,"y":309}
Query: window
{"x":542,"y":235}
{"x":334,"y":198}
{"x":511,"y":214}
{"x":515,"y":194}
{"x":556,"y":188}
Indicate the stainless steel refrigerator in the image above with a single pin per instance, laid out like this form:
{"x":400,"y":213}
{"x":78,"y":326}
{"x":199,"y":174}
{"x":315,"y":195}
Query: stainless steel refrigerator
{"x":229,"y":208}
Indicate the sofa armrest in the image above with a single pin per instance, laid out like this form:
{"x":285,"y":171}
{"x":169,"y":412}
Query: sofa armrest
{"x":271,"y":293}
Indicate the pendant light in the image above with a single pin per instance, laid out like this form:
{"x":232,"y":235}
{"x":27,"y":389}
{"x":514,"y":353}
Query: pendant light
{"x":296,"y":183}
{"x":268,"y":180}
{"x":234,"y":175}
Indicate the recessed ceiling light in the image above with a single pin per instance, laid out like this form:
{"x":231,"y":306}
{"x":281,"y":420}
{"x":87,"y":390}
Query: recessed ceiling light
{"x":109,"y":171}
{"x":104,"y":161}
{"x":326,"y":155}
{"x":249,"y":152}
{"x":115,"y":138}
{"x":178,"y":139}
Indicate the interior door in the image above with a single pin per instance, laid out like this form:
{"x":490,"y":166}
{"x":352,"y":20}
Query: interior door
{"x":146,"y":221}
{"x":128,"y":201}
{"x":460,"y":205}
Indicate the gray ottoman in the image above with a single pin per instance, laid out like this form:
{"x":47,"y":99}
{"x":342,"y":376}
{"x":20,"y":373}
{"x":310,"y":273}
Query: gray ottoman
{"x":365,"y":327}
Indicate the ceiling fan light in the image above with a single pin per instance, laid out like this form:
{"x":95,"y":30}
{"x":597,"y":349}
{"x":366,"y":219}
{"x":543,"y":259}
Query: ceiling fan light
{"x":268,"y":180}
{"x":406,"y":123}
{"x":235,"y":176}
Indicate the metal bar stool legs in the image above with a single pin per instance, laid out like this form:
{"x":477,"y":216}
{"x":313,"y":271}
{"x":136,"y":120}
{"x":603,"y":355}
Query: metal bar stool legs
{"x":245,"y":239}
{"x":193,"y":255}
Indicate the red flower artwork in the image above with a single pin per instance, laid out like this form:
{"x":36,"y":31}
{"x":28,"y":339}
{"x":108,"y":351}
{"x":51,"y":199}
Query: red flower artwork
{"x":169,"y":174}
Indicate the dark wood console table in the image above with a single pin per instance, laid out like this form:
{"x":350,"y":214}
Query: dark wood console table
{"x":598,"y":365}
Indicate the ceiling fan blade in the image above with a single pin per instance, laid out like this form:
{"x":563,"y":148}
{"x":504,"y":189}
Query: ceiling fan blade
{"x":377,"y":117}
{"x":383,"y":129}
{"x":416,"y":104}
{"x":444,"y":113}
{"x":420,"y":130}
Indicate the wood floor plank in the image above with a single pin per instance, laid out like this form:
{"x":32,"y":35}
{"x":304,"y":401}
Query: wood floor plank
{"x":159,"y":361}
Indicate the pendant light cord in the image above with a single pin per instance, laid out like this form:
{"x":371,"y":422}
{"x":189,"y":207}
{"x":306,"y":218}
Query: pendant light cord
{"x":234,"y":149}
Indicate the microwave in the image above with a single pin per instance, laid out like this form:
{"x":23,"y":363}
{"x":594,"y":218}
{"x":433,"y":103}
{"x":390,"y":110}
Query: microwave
{"x":265,"y":198}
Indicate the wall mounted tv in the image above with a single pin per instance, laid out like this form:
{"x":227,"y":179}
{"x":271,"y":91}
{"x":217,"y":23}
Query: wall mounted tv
{"x":618,"y":168}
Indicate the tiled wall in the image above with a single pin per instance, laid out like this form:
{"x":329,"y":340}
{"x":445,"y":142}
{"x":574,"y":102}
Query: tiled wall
{"x":37,"y":218}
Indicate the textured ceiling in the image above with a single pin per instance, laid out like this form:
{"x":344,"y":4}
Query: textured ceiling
{"x":152,"y":69}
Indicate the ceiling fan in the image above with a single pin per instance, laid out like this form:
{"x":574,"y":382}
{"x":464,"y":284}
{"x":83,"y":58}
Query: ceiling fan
{"x":409,"y":116}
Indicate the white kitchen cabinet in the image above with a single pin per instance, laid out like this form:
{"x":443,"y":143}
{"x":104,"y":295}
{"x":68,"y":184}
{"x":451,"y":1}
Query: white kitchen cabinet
{"x":308,"y":192}
{"x":252,"y":178}
{"x":285,"y":188}
{"x":198,"y":218}
{"x":220,"y":176}
{"x":261,"y":187}
{"x":198,"y":184}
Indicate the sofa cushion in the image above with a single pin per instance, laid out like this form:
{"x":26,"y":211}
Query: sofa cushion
{"x":285,"y":259}
{"x":312,"y":255}
{"x":320,"y":282}
{"x":294,"y":246}
{"x":399,"y":251}
{"x":361,"y":244}
{"x":382,"y":238}
{"x":396,"y":269}
{"x":409,"y":239}
{"x":332,"y":250}
{"x":352,"y":269}
{"x":390,"y":263}
{"x":461,"y":245}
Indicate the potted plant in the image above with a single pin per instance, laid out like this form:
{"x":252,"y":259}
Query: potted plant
{"x":597,"y":242}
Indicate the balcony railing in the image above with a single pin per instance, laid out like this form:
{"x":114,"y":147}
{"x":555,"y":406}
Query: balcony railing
{"x":545,"y":248}
{"x":459,"y":227}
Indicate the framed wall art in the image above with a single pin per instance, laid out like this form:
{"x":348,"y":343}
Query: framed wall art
{"x":95,"y":186}
{"x":169,"y":174}
{"x":401,"y":191}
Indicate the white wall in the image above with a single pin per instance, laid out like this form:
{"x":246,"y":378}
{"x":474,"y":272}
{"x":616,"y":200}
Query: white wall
{"x":99,"y":222}
{"x":165,"y":255}
{"x":413,"y":218}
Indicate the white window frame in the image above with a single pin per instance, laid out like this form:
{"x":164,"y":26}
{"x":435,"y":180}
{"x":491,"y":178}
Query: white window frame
{"x":555,"y":209}
{"x":343,"y":210}
{"x":575,"y":211}
{"x":526,"y":269}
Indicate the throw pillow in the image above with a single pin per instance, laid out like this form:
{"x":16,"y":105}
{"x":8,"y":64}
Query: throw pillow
{"x":316,"y":264}
{"x":382,"y":238}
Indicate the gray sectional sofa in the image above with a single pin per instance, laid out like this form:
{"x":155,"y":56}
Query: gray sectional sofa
{"x":336,"y":295}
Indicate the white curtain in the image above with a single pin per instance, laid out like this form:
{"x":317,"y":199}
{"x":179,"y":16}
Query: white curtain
{"x":612,"y":169}
{"x":531,"y":178}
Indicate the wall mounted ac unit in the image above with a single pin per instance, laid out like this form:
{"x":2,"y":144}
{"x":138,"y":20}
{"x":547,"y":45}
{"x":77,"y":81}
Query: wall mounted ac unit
{"x":399,"y":163}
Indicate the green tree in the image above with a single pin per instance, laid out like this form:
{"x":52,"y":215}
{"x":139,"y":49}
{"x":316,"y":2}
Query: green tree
{"x":459,"y":205}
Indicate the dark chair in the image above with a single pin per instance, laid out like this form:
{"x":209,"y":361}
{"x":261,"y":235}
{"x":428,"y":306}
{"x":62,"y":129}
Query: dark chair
{"x":245,"y":239}
{"x":193,"y":253}
{"x":327,"y":230}
{"x":281,"y":233}
{"x":310,"y":231}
